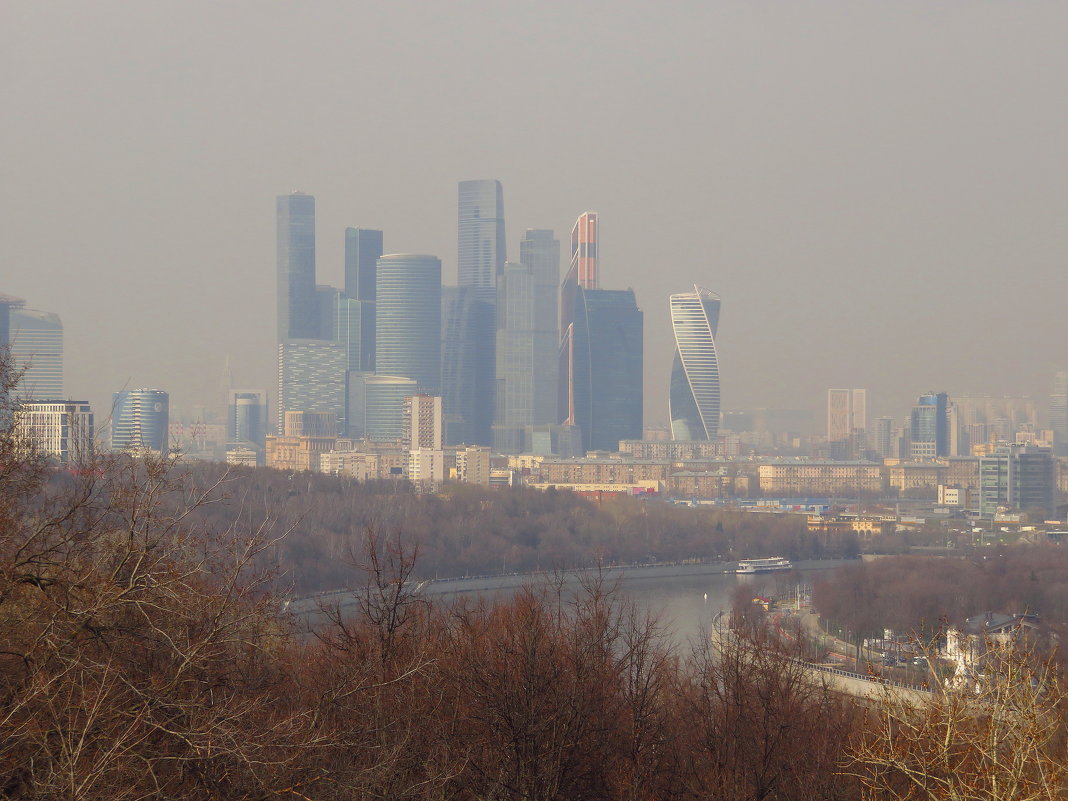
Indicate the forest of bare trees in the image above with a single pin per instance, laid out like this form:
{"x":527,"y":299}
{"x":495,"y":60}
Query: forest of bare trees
{"x":923,"y":593}
{"x":471,"y":530}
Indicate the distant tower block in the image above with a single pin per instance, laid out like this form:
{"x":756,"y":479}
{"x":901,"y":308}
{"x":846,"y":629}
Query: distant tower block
{"x":694,"y":396}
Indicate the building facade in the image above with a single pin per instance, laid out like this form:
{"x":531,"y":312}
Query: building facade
{"x":311,"y":378}
{"x":694,"y":395}
{"x":408,"y":319}
{"x":604,"y":363}
{"x":140,"y":421}
{"x":1058,"y":412}
{"x":298,"y":316}
{"x":376,"y":405}
{"x":246,"y":418}
{"x":930,"y":427}
{"x":1019,"y":478}
{"x":35,"y":339}
{"x":62,"y":430}
{"x":423,"y":422}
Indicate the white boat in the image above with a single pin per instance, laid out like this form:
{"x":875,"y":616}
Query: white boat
{"x":768,"y":565}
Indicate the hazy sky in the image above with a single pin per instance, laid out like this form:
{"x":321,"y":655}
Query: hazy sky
{"x":877,"y":190}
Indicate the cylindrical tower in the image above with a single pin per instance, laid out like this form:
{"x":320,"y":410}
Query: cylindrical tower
{"x":408,"y":319}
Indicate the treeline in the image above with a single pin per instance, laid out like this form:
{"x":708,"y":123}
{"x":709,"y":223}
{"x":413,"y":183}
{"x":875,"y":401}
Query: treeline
{"x":471,"y":530}
{"x":145,"y":656}
{"x":924,"y":593}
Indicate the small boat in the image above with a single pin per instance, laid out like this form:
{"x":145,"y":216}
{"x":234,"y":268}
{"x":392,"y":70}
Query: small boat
{"x":747,"y":566}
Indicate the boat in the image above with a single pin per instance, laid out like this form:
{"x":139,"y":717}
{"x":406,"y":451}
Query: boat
{"x":772,"y":563}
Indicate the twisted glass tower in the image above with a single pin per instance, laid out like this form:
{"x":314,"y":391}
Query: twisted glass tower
{"x":694,"y":395}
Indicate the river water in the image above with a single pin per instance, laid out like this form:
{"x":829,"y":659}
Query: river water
{"x":685,"y":598}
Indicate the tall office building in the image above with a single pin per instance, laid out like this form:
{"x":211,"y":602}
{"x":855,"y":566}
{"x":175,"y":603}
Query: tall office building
{"x":1017,"y":477}
{"x":515,"y":358}
{"x":356,"y":307}
{"x":311,"y":378}
{"x":468,"y":337}
{"x":60,"y":429}
{"x":246,"y":418}
{"x":408,"y":319}
{"x":298,"y":308}
{"x":36,"y":342}
{"x":376,"y":405}
{"x":480,"y":236}
{"x":363,"y":249}
{"x":693,"y":400}
{"x":600,"y":358}
{"x":539,"y":252}
{"x":847,"y":412}
{"x":582,"y":274}
{"x":604,"y":380}
{"x":584,"y":256}
{"x":140,"y":420}
{"x":930,"y":427}
{"x":883,"y":440}
{"x":1058,"y":412}
{"x":468,"y":359}
{"x":527,"y":341}
{"x":356,"y":332}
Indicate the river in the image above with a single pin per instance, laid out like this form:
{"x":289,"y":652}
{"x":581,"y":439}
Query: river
{"x":684,"y":597}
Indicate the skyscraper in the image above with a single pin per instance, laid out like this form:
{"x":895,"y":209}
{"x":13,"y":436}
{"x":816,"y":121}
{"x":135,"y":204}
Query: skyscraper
{"x":584,"y":256}
{"x":694,"y":393}
{"x":363,"y":249}
{"x":36,"y":342}
{"x":468,"y":359}
{"x":539,"y":251}
{"x":605,"y":397}
{"x":847,"y":413}
{"x":298,"y":316}
{"x":408,"y":319}
{"x":930,"y":427}
{"x":140,"y":420}
{"x":1058,"y":412}
{"x":481,"y":251}
{"x":582,"y":274}
{"x":311,"y":378}
{"x":527,"y":341}
{"x":356,"y":309}
{"x":246,"y":418}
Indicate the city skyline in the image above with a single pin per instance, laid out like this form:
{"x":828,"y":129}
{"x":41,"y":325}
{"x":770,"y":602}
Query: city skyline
{"x":860,"y":210}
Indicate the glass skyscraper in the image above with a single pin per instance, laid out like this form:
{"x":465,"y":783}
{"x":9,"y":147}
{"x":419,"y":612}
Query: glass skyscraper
{"x":36,"y":342}
{"x":408,"y":319}
{"x":694,"y":395}
{"x":606,"y":365}
{"x":481,"y":251}
{"x":298,"y":313}
{"x":311,"y":378}
{"x":363,"y":249}
{"x":539,"y":251}
{"x":1058,"y":412}
{"x":929,"y":427}
{"x":527,"y":341}
{"x":376,"y":405}
{"x":356,"y":310}
{"x":140,"y":420}
{"x":246,"y":418}
{"x":469,"y":362}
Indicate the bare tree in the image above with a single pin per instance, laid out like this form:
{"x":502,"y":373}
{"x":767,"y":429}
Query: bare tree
{"x":997,"y":738}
